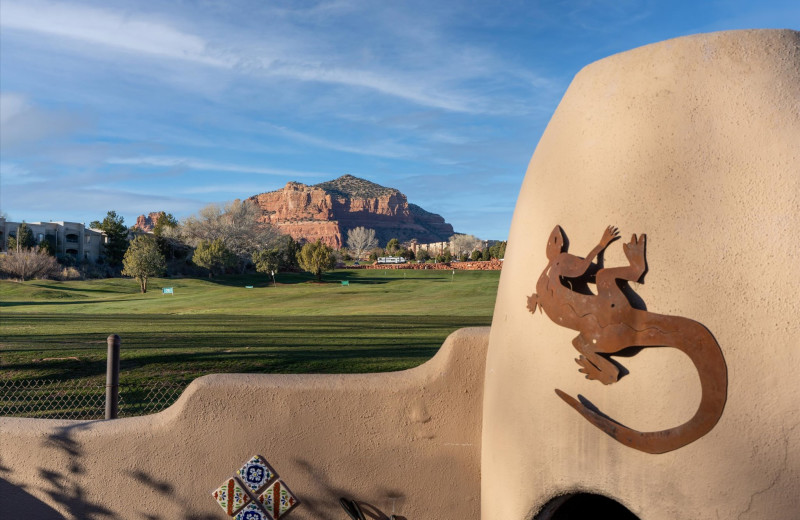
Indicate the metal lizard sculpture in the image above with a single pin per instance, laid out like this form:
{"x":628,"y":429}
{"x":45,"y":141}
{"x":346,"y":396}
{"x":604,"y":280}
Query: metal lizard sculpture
{"x":607,"y":324}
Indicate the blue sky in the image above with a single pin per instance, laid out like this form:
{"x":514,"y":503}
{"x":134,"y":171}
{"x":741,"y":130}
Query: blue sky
{"x":148,"y":106}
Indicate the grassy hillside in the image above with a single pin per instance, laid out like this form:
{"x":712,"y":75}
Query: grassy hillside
{"x":384,"y":320}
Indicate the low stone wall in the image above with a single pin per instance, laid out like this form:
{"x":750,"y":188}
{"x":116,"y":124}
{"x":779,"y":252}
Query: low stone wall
{"x":404,"y":443}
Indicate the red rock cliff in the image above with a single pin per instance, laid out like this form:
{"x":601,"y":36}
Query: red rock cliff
{"x":328,"y":210}
{"x":146,"y":223}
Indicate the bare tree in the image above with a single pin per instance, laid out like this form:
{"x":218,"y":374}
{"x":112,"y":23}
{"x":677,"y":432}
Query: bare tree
{"x":464,"y":244}
{"x":29,"y":263}
{"x":236,"y":224}
{"x":360,"y":240}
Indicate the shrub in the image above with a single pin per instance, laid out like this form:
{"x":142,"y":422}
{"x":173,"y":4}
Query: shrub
{"x":316,"y":258}
{"x":30,"y":263}
{"x":69,"y":273}
{"x":143,"y":260}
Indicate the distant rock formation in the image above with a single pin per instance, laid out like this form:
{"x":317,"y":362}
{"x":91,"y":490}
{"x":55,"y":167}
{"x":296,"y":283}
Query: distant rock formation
{"x":147,"y":223}
{"x":326,"y":211}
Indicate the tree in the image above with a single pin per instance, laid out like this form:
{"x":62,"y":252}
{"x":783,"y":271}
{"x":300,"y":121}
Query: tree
{"x":23,"y":240}
{"x":237,"y":225}
{"x":116,"y":237}
{"x":214,"y":256}
{"x":167,"y":235}
{"x":408,"y":254}
{"x":476,"y":255}
{"x":498,"y":250}
{"x":267,"y":261}
{"x":164,"y":220}
{"x":423,"y":255}
{"x":143,"y":260}
{"x":360,"y":240}
{"x":48,"y":245}
{"x":316,"y":257}
{"x":29,"y":263}
{"x":288,"y":248}
{"x":464,"y":244}
{"x":392,"y":247}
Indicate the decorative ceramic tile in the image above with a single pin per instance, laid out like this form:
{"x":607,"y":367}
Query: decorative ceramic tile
{"x":230,"y":496}
{"x":277,"y":499}
{"x":252,"y":512}
{"x":256,"y":473}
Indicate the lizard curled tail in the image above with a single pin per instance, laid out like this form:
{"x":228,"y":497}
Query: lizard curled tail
{"x":695,"y":341}
{"x":607,"y":324}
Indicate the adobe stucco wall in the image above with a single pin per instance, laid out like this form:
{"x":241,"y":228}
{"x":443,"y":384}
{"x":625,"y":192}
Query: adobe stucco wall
{"x":695,"y":142}
{"x":405,"y":442}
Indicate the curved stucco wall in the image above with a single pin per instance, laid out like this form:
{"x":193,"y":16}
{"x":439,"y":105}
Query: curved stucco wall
{"x":695,"y":142}
{"x":403,"y":442}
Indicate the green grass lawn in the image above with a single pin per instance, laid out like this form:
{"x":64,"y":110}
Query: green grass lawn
{"x":384,"y":320}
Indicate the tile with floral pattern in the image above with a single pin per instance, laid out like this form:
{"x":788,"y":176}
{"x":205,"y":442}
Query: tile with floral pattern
{"x":256,"y":474}
{"x":277,"y":499}
{"x":230,"y":496}
{"x":252,"y":512}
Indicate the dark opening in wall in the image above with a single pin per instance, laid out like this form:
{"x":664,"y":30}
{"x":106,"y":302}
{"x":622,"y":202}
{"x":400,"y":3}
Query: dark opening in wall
{"x":584,"y":506}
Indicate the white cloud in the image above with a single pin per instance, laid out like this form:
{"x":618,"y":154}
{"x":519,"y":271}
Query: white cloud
{"x":285,"y":49}
{"x":108,"y":28}
{"x":410,"y":88}
{"x":23,"y":123}
{"x":198,"y":164}
{"x":387,"y":149}
{"x":86,"y":204}
{"x":11,"y":105}
{"x":14,"y":174}
{"x":240,"y":189}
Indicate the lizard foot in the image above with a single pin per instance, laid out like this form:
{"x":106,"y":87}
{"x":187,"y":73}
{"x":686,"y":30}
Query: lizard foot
{"x":634,"y":250}
{"x":594,"y":373}
{"x":533,"y":302}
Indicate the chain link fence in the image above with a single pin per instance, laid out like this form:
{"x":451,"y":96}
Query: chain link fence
{"x":82,"y":400}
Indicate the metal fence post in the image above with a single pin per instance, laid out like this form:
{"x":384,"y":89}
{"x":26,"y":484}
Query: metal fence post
{"x":112,"y":377}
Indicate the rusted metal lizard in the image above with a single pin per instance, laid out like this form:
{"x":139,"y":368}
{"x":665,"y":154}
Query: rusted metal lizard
{"x":609,"y":324}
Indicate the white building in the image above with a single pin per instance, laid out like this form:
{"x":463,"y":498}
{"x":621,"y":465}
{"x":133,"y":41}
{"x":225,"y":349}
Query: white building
{"x":68,"y":238}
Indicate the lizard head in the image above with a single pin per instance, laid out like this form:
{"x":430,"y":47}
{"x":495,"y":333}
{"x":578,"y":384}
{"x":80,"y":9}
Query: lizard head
{"x":556,"y":244}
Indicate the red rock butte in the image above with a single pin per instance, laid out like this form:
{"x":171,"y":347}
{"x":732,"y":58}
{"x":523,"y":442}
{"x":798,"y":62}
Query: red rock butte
{"x":326,"y":211}
{"x":147,"y":222}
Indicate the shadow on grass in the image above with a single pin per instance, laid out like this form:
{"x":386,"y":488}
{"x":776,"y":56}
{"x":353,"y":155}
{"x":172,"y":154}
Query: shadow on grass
{"x":109,"y":290}
{"x":259,"y":280}
{"x":332,"y":277}
{"x":381,"y":357}
{"x":181,"y":348}
{"x":28,"y":303}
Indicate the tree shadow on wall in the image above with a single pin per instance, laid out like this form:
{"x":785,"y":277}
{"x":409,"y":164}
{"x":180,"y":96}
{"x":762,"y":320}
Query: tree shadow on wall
{"x":324,"y":509}
{"x":65,"y":487}
{"x":14,"y":495}
{"x":164,"y":488}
